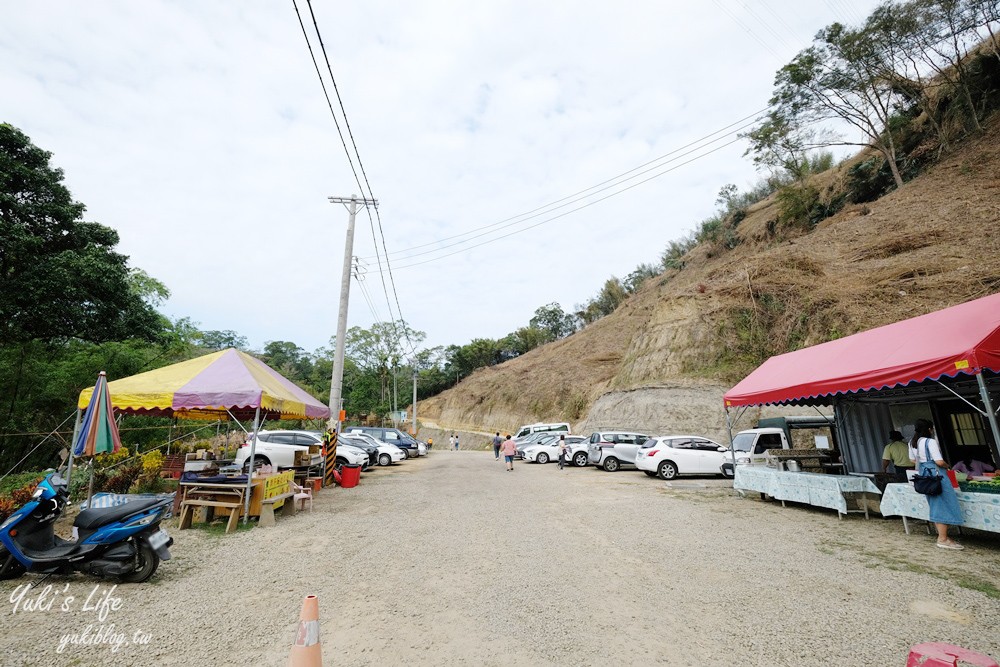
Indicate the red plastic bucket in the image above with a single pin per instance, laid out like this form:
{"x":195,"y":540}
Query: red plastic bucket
{"x":350,"y":476}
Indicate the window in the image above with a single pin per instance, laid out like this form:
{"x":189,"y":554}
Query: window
{"x":282,"y":438}
{"x":595,"y":437}
{"x":681,"y":443}
{"x":625,"y":438}
{"x":767,"y":441}
{"x":704,"y":445}
{"x":968,"y":428}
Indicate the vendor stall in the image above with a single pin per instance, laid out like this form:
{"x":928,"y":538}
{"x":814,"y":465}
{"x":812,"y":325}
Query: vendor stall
{"x":221,"y":385}
{"x":943,"y":366}
{"x":819,"y":489}
{"x":979,"y":510}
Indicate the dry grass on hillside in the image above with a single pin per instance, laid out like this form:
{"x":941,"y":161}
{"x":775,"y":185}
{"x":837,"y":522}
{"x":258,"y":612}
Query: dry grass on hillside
{"x":931,"y":244}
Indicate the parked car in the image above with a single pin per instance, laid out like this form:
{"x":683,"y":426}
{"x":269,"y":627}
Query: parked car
{"x":528,"y":429}
{"x":278,"y":448}
{"x":547,"y":449}
{"x":612,"y":449}
{"x":348,"y":454}
{"x":387,"y":454}
{"x":669,"y":456}
{"x":370,"y":449}
{"x":392,"y":436}
{"x":527,"y":441}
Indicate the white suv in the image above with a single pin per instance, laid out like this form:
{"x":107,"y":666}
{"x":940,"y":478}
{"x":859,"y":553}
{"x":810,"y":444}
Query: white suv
{"x":611,"y":449}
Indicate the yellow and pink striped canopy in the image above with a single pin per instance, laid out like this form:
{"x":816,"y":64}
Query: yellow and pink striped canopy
{"x":211,"y":385}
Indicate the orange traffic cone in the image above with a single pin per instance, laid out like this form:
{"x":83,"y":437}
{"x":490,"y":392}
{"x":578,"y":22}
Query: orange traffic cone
{"x":306,"y":651}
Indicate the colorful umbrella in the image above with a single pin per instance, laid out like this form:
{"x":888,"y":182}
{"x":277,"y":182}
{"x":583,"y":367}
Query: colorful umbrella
{"x":98,"y":430}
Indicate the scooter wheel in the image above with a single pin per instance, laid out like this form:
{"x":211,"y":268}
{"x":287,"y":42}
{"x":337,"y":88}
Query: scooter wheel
{"x":10,"y":567}
{"x":147,"y":562}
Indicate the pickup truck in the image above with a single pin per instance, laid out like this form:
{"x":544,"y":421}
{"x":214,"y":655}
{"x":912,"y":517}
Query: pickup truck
{"x":751,"y":446}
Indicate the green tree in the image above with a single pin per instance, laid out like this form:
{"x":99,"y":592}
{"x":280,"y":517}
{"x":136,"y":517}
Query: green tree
{"x":60,"y":277}
{"x":840,"y":77}
{"x":553,"y":321}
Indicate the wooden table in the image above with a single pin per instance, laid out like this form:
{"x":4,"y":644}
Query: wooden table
{"x":216,"y":496}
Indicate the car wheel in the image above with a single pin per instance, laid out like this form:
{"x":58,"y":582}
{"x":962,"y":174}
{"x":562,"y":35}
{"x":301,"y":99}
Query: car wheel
{"x":146,"y":563}
{"x":580,"y":459}
{"x":542,"y":457}
{"x":611,"y":464}
{"x":651,"y":474}
{"x":667,"y":470}
{"x":728,"y":473}
{"x":384,"y":460}
{"x":339,"y":463}
{"x":406,"y":455}
{"x":259,"y":461}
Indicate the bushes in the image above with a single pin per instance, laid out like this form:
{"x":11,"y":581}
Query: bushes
{"x":19,"y":495}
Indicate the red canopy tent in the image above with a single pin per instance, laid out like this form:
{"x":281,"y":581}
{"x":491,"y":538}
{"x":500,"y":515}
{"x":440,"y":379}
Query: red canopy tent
{"x":956,"y":341}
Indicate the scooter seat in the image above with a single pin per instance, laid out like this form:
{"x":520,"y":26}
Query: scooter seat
{"x":100,"y":516}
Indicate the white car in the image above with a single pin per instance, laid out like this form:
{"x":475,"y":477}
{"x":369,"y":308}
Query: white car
{"x":387,"y":454}
{"x":548,"y":450}
{"x":669,"y":456}
{"x":278,"y":448}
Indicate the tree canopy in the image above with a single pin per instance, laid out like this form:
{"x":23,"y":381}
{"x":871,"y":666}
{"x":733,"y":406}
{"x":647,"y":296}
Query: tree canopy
{"x":60,"y":276}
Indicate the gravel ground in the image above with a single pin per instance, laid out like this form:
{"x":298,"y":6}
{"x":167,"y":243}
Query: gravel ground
{"x":451,"y":560}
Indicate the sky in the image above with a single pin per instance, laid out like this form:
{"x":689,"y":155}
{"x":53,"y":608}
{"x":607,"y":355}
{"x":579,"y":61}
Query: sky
{"x":201,"y":134}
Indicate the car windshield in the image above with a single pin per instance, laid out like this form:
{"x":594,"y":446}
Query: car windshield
{"x":743,"y":442}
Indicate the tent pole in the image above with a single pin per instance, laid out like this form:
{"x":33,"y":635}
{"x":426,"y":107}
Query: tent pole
{"x":253,"y":452}
{"x":991,"y":415}
{"x":72,"y":445}
{"x":732,"y":450}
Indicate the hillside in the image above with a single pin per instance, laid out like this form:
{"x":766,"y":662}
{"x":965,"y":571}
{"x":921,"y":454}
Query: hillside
{"x":663,"y":360}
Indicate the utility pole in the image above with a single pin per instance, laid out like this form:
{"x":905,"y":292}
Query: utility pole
{"x":337,"y":379}
{"x":413,"y":424}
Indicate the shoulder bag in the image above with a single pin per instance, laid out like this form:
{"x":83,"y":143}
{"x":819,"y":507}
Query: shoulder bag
{"x":926,"y":482}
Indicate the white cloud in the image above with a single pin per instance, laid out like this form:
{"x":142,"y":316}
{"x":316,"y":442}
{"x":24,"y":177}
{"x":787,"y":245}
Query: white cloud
{"x":199,"y":132}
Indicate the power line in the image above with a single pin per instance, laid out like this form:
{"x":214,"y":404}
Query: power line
{"x":568,"y":203}
{"x":743,"y":25}
{"x":574,"y":210}
{"x":766,"y":25}
{"x":577,"y":196}
{"x":378,"y":217}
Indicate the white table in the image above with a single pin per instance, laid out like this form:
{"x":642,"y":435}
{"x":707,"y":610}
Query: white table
{"x":804,"y":487}
{"x":979,"y":510}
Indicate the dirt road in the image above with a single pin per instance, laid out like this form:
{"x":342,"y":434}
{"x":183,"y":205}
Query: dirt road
{"x":450,"y":560}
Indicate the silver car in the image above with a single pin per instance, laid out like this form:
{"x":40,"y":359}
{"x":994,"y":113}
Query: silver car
{"x":612,"y":449}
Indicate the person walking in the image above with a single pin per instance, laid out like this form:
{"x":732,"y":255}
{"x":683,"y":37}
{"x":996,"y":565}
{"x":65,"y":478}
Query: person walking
{"x":509,"y":449}
{"x":496,"y":446}
{"x":451,"y":441}
{"x":563,"y":451}
{"x":944,"y":508}
{"x":455,"y":435}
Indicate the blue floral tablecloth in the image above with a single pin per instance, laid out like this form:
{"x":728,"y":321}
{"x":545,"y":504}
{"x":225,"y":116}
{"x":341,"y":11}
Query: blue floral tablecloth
{"x":979,"y":510}
{"x":802,"y":487}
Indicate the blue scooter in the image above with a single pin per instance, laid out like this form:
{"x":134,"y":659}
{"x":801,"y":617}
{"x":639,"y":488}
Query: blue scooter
{"x":124,"y":542}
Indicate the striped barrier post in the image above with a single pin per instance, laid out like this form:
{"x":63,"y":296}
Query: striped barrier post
{"x":331,"y":459}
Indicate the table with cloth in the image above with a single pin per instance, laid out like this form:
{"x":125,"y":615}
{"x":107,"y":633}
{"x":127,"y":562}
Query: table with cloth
{"x":979,"y":510}
{"x":821,"y":490}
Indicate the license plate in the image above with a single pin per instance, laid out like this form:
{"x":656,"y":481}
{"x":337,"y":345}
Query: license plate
{"x":158,"y":539}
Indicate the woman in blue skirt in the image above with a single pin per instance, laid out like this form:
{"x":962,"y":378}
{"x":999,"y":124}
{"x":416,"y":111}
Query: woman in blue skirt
{"x":944,"y":509}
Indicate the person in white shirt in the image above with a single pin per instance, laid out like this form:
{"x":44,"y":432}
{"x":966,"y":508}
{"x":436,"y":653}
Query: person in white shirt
{"x":944,"y":508}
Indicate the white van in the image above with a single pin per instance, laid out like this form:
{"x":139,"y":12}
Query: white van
{"x":528,"y":429}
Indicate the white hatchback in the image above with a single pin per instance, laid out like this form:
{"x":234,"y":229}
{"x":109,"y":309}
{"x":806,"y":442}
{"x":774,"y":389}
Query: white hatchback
{"x":547,"y":449}
{"x":669,"y":456}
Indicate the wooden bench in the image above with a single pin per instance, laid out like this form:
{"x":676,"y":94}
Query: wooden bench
{"x":188,"y":507}
{"x":267,"y":508}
